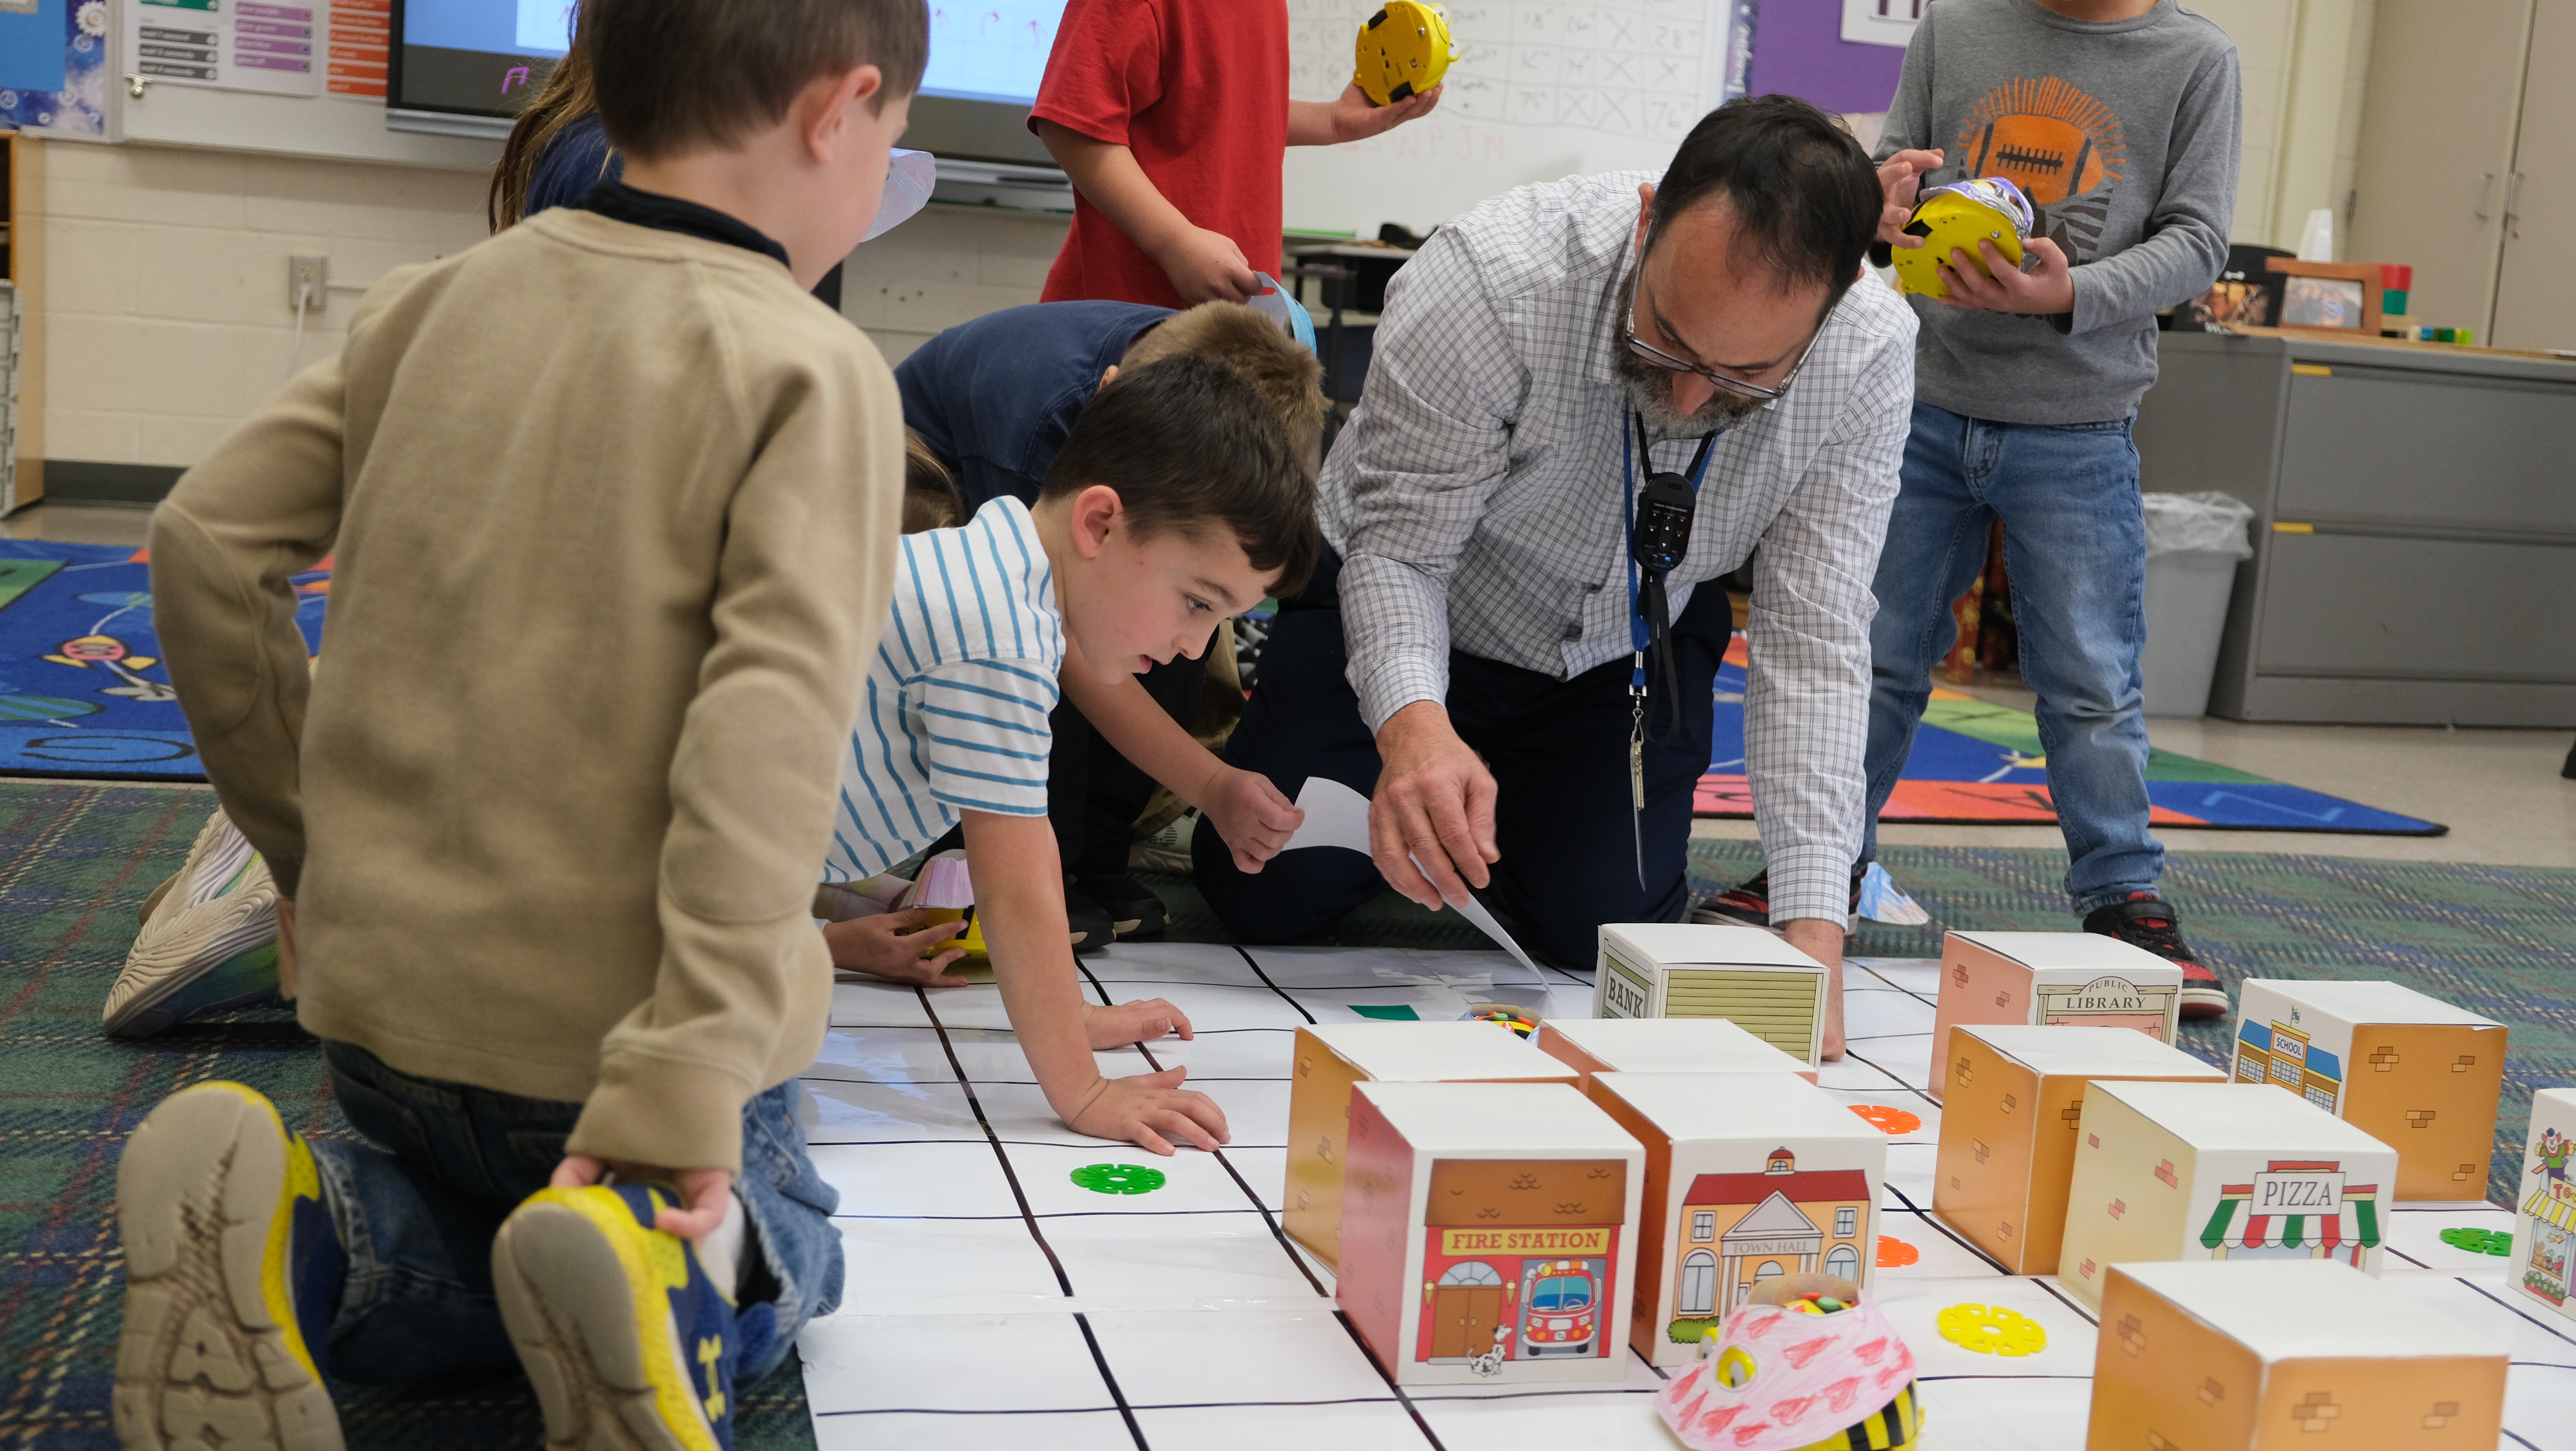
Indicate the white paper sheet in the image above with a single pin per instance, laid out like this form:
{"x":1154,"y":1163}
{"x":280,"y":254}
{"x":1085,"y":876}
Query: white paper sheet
{"x":1336,"y":815}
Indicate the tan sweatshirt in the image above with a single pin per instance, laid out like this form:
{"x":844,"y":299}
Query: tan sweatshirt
{"x":614,"y":513}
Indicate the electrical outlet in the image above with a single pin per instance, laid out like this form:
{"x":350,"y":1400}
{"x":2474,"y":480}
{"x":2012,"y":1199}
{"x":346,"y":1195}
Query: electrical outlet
{"x":308,"y":280}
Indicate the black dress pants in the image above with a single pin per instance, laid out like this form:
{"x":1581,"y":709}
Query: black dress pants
{"x":1094,"y":794}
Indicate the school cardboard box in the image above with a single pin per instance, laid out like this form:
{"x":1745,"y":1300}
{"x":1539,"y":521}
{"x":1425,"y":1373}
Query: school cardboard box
{"x":2080,"y":979}
{"x":1488,"y":1232}
{"x":1662,"y":1045}
{"x":2232,"y":1357}
{"x":2414,"y":1072}
{"x":1330,"y":1057}
{"x":2008,"y":1127}
{"x":1749,"y":1176}
{"x":2217,"y":1171}
{"x":2545,"y":1223}
{"x":1743,"y":974}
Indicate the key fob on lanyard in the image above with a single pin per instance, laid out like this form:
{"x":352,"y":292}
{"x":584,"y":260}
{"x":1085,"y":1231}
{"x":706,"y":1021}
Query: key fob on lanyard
{"x":1664,"y":509}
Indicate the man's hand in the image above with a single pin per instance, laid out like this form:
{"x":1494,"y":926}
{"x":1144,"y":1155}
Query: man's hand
{"x":1900,"y":180}
{"x":1823,"y":940}
{"x":896,"y":946}
{"x":702,"y":1191}
{"x":1207,"y":266}
{"x":1141,"y":1021}
{"x":1151,"y":1109}
{"x":1434,"y":805}
{"x":2048,"y":287}
{"x":1249,"y":814}
{"x":1353,"y":116}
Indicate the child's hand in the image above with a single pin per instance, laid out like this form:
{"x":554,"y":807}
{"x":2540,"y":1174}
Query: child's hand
{"x":1900,"y":177}
{"x":1357,"y":118}
{"x":1141,"y":1021}
{"x":702,"y":1191}
{"x":1207,"y":266}
{"x":1251,"y":816}
{"x":1146,"y":1109}
{"x":887,"y":946}
{"x":2048,"y":287}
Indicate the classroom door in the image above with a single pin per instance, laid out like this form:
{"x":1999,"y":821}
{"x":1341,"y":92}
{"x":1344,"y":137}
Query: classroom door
{"x":1463,"y":1320}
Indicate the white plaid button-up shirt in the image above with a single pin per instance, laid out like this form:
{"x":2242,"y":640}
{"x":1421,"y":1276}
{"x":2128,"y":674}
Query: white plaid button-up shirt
{"x":1475,"y":498}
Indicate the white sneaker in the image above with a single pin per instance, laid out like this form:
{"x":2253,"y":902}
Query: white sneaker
{"x":208,"y":944}
{"x":1168,"y":850}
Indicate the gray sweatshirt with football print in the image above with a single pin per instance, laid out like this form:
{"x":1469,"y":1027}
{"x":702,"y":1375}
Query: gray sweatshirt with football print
{"x":2124,"y":137}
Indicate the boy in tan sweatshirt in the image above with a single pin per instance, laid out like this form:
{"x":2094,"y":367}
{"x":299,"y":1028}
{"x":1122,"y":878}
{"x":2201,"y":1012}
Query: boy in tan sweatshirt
{"x":614,"y":504}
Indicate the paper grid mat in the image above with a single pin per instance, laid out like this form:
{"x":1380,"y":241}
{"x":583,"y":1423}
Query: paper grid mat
{"x":993,"y":1302}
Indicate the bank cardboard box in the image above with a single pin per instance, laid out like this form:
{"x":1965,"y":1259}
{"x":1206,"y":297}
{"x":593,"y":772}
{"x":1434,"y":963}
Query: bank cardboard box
{"x":1749,"y":1176}
{"x":2412,"y":1071}
{"x":1488,"y":1232}
{"x":1662,"y":1045}
{"x":2078,"y":979}
{"x":1330,"y":1057}
{"x":2217,"y":1171}
{"x":2008,"y":1128}
{"x":1745,"y":975}
{"x":2234,"y":1357}
{"x":2546,"y":1220}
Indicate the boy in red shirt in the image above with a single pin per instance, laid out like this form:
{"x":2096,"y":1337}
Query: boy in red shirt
{"x":1172,"y":118}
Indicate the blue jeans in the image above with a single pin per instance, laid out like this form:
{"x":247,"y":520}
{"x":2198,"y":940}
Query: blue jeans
{"x":2075,"y":547}
{"x":416,"y":1213}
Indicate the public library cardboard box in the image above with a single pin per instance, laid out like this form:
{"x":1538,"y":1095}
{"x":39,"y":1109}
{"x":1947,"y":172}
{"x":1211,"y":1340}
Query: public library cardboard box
{"x":1749,"y":1176}
{"x":2217,"y":1171}
{"x":1745,"y":975}
{"x":2078,"y":979}
{"x":1662,"y":1045}
{"x":1488,"y":1232}
{"x":1330,"y":1057}
{"x":2230,"y":1357}
{"x":2009,"y":1128}
{"x":2412,"y":1071}
{"x":2546,"y":1222}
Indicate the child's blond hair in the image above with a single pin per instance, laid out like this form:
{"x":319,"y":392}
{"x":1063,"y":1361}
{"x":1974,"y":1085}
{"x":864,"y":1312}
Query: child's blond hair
{"x":1280,"y":369}
{"x":930,"y":497}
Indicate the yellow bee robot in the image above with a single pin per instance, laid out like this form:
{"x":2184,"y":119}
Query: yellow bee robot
{"x":1959,"y":216}
{"x":1403,"y":50}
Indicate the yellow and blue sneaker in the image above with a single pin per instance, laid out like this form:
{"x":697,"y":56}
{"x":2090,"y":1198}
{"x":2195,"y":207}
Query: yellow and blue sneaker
{"x":232,"y":1268}
{"x":628,"y":1344}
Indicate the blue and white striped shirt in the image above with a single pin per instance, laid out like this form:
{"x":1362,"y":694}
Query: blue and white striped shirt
{"x":953,"y":716}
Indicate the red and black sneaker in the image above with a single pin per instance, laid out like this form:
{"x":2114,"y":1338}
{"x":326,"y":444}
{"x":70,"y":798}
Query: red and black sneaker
{"x":2146,"y":921}
{"x":1749,"y":904}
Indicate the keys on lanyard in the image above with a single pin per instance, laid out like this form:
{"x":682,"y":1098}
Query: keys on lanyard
{"x":1659,"y":542}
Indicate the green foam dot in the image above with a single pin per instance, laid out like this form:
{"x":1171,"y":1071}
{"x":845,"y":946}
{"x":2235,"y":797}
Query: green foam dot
{"x":2479,"y":1241}
{"x":1118,"y":1178}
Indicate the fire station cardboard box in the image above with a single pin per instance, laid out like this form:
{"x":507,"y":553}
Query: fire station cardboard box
{"x":2080,"y":979}
{"x":2008,"y":1128}
{"x":1745,"y":975}
{"x":1488,"y":1232}
{"x":1749,"y":1176}
{"x":2305,"y":1353}
{"x":2217,"y":1171}
{"x":2414,"y":1072}
{"x":2547,"y":1219}
{"x":1662,"y":1045}
{"x":1332,"y":1056}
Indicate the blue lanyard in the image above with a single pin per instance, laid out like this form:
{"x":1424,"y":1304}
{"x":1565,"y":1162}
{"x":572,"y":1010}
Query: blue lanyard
{"x":1637,"y":635}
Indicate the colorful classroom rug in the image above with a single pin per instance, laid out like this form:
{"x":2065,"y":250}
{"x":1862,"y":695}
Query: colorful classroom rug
{"x":82,"y":688}
{"x":1980,"y":764}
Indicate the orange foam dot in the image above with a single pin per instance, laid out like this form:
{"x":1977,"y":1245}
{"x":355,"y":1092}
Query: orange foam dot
{"x":1887,"y":1120}
{"x":1894,"y":1253}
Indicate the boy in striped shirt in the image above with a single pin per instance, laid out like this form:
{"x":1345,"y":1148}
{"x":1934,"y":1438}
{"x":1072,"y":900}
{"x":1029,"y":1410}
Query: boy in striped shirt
{"x":1178,"y":499}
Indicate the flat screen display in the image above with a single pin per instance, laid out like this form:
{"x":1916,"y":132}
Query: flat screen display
{"x":475,"y":57}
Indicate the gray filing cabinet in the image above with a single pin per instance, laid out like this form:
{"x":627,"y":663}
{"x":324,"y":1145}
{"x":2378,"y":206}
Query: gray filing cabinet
{"x":2414,"y":531}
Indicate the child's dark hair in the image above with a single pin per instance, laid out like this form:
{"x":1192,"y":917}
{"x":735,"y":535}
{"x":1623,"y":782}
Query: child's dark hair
{"x":1805,"y":196}
{"x":1188,"y":441}
{"x":673,"y":76}
{"x":930,"y":497}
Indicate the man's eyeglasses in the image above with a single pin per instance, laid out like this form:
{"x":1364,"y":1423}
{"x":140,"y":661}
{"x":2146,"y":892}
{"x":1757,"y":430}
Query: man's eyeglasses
{"x":1737,"y":386}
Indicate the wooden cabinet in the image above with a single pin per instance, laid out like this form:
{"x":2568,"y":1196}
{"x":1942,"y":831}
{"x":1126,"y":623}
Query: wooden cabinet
{"x":2536,"y":288}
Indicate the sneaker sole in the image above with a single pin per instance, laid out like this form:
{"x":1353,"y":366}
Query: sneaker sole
{"x":2203,"y":1002}
{"x":211,"y":1353}
{"x":583,"y":1293}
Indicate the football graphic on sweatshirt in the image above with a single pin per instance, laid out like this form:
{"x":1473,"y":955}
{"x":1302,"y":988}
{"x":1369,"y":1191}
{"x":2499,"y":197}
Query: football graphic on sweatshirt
{"x":2058,"y":144}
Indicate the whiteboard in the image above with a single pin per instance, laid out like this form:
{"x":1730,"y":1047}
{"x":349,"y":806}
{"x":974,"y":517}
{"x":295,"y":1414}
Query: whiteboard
{"x":1540,"y":90}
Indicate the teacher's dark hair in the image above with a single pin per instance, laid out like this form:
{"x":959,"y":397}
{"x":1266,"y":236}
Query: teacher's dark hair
{"x":1805,"y":197}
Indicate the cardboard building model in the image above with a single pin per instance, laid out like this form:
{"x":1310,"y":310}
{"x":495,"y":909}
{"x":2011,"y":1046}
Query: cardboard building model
{"x":1488,"y":1232}
{"x":1745,"y":975}
{"x":2228,"y":1357}
{"x":2412,"y":1071}
{"x":2009,"y":1128}
{"x":2217,"y":1171}
{"x":1749,"y":1176}
{"x":1330,"y":1057}
{"x":2077,"y":979}
{"x":2546,"y":1223}
{"x":1662,"y":1045}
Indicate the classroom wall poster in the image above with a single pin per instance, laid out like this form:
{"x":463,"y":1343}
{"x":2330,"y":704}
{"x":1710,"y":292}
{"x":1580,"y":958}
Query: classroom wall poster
{"x":236,"y":45}
{"x":54,"y":66}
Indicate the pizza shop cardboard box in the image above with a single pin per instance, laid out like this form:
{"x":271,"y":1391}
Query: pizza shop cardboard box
{"x":2079,"y":979}
{"x":2008,"y":1128}
{"x":2217,"y":1171}
{"x":1488,"y":1232}
{"x":2546,"y":1222}
{"x":2301,"y":1353}
{"x":1745,"y":975}
{"x":1330,"y":1057}
{"x":1662,"y":1045}
{"x":1749,"y":1176}
{"x":2414,"y":1072}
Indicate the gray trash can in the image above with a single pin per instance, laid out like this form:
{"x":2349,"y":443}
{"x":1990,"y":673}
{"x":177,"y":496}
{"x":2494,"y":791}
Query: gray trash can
{"x":2193,"y":544}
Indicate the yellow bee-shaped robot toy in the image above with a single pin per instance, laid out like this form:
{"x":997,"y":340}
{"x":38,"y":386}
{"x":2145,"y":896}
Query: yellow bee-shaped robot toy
{"x":1403,"y":50}
{"x":1959,"y":216}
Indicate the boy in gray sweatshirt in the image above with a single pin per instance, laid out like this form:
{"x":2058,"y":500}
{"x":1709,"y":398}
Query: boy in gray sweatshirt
{"x":2118,"y":119}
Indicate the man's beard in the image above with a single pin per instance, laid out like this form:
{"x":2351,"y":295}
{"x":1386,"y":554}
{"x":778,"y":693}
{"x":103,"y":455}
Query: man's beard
{"x":1650,"y":389}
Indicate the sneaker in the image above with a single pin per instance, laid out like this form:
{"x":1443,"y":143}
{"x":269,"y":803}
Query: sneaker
{"x":1748,"y":904}
{"x":2144,"y":920}
{"x":1168,"y":850}
{"x":209,"y":941}
{"x":1134,"y":910}
{"x":1093,"y":927}
{"x":232,"y":1268}
{"x":628,"y":1343}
